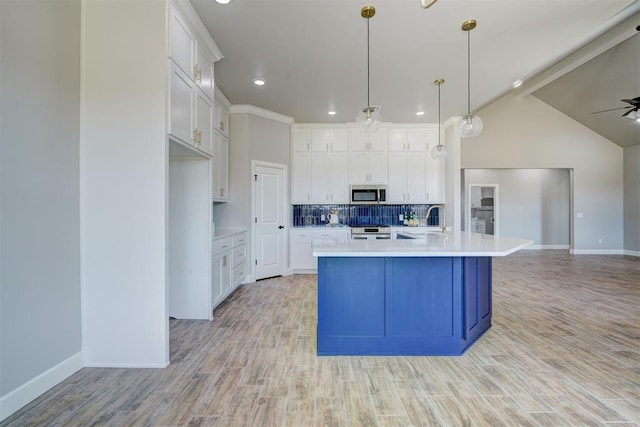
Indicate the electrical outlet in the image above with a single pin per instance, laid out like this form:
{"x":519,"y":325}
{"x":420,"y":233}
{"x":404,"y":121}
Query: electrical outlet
{"x":400,"y":217}
{"x":322,"y":218}
{"x":599,"y":241}
{"x":580,"y":215}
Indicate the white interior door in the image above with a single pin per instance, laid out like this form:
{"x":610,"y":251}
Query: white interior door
{"x":482,"y":209}
{"x":270,"y":232}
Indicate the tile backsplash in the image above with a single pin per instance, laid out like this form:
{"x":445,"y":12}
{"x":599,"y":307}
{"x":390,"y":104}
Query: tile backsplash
{"x":304,"y":215}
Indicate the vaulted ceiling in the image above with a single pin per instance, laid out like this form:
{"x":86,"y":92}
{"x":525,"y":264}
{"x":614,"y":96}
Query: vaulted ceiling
{"x":313,"y":55}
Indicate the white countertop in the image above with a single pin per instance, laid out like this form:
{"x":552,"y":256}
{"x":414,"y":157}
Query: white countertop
{"x":458,"y":244}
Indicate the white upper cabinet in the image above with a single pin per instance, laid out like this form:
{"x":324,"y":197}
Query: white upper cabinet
{"x":203,"y":71}
{"x":203,"y":126}
{"x":329,"y":139}
{"x":368,"y":156}
{"x":329,"y":178}
{"x":301,"y":177}
{"x":367,"y":141}
{"x":182,"y":42}
{"x":181,"y":94}
{"x":415,"y":140}
{"x":301,"y":139}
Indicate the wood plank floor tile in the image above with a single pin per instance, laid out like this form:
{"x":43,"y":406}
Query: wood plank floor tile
{"x":564,"y":349}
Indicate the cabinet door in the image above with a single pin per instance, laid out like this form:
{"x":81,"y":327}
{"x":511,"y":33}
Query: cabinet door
{"x":378,"y":171}
{"x":302,"y":255}
{"x":301,"y":139}
{"x":301,"y":177}
{"x":181,"y":105}
{"x":220,"y":174}
{"x":358,"y":140}
{"x":397,"y":139}
{"x":397,"y":177}
{"x":329,"y":140}
{"x":417,"y":140}
{"x":204,"y":72}
{"x":320,"y":178}
{"x":218,"y":273}
{"x":181,"y":43}
{"x":204,"y":123}
{"x":358,"y":166}
{"x":339,"y":179}
{"x":416,"y":177}
{"x":378,"y":140}
{"x":435,"y":180}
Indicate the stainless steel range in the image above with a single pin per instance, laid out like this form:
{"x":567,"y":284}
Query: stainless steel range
{"x":370,"y":232}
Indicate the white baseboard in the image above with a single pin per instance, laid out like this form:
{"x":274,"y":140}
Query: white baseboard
{"x":127,"y":365}
{"x":542,"y":247}
{"x":304,"y":271}
{"x":632,"y":253}
{"x":27,"y":392}
{"x":597,"y":251}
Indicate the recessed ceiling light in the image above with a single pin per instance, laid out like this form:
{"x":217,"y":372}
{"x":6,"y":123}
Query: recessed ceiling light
{"x":332,"y":113}
{"x":259,"y":81}
{"x":420,"y":113}
{"x":223,"y":1}
{"x":517,"y":83}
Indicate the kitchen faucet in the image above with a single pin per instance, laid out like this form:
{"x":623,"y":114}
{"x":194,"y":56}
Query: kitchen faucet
{"x":442,"y":218}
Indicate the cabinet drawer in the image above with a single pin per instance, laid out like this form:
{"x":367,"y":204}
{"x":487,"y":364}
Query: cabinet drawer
{"x":301,"y":234}
{"x":239,"y":254}
{"x":221,"y":245}
{"x":239,"y":239}
{"x":239,"y":272}
{"x":324,"y":234}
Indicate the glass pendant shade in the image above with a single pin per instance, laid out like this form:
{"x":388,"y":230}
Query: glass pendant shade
{"x":469,"y":126}
{"x":369,"y":119}
{"x":439,"y":152}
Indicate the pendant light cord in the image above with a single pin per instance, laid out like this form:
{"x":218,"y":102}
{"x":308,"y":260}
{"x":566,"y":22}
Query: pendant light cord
{"x":440,"y":84}
{"x":469,"y":72}
{"x":368,"y":102}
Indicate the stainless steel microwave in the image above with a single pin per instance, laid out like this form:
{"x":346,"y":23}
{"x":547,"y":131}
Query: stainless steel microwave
{"x":368,"y":194}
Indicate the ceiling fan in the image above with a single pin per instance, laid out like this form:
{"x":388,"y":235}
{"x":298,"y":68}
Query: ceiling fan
{"x":635,"y":106}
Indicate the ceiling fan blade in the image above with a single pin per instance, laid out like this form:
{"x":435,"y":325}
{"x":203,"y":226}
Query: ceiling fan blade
{"x":629,"y":112}
{"x":612,"y":109}
{"x":634,"y":101}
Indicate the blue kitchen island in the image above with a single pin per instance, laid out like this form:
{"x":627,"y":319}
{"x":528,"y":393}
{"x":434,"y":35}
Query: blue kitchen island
{"x":427,"y":295}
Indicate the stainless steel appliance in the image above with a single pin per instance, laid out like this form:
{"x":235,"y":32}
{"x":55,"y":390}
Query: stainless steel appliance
{"x":371,"y":232}
{"x":368,"y":194}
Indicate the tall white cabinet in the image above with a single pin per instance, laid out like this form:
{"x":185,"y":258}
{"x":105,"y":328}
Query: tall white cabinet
{"x":195,"y":138}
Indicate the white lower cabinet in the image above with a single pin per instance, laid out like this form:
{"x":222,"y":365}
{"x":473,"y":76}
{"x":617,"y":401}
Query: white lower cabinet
{"x":228,"y":265}
{"x":301,"y":245}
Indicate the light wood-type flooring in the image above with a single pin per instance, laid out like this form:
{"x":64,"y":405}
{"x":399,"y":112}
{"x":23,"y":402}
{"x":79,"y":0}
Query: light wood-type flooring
{"x":564,"y":350}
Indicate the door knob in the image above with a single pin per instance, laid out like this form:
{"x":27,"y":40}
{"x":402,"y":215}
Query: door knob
{"x":281,"y":227}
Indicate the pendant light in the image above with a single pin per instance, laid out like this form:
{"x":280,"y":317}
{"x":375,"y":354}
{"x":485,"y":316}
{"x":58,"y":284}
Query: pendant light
{"x":469,"y":125}
{"x":439,"y":152}
{"x":369,"y":118}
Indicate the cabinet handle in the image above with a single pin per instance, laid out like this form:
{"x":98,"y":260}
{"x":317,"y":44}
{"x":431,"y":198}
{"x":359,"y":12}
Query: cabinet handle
{"x":197,"y":74}
{"x":408,"y":146}
{"x":224,"y":261}
{"x":221,"y":125}
{"x":221,"y":192}
{"x":197,"y":136}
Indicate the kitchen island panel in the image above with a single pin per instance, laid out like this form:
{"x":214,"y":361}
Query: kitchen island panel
{"x":421,"y":297}
{"x":353,"y":300}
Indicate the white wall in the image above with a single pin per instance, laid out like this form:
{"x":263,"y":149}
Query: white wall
{"x":532,"y":203}
{"x":255,"y":134}
{"x":40,"y":308}
{"x":124,"y":183}
{"x":632,"y":199}
{"x":525,"y":133}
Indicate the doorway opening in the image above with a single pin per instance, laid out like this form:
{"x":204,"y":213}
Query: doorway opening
{"x":482,"y":209}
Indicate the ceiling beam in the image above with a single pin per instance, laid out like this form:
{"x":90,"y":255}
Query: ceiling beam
{"x":613,"y":32}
